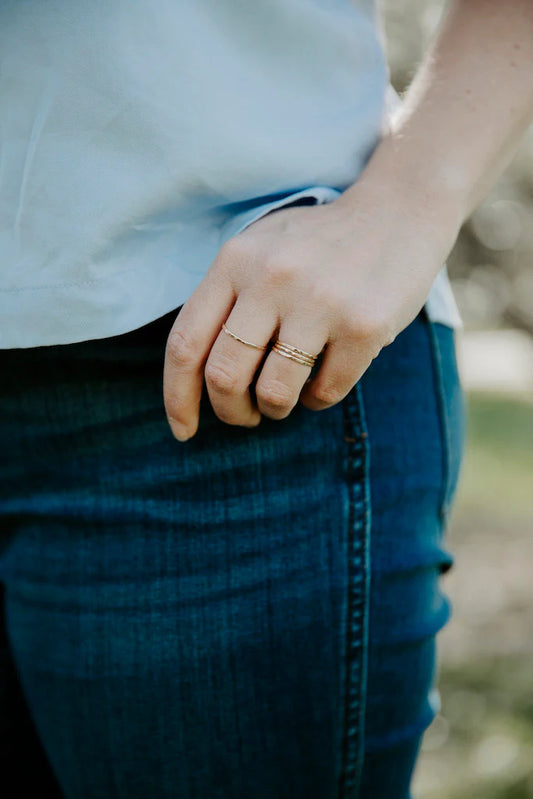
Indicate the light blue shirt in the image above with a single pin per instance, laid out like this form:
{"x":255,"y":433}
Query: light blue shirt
{"x":137,"y":136}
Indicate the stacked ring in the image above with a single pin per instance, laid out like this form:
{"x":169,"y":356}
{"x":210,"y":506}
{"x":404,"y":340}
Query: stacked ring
{"x":300,"y":356}
{"x":287,"y":350}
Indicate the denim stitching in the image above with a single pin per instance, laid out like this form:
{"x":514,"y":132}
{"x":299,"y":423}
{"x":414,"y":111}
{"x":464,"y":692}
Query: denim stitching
{"x":440,"y":389}
{"x":357,"y":475}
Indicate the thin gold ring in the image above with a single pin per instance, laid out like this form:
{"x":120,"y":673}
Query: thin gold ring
{"x":287,"y":350}
{"x":295,"y":354}
{"x":238,"y":338}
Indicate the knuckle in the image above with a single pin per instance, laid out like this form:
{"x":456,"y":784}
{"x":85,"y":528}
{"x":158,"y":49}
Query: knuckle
{"x":275,"y":395}
{"x":230,"y":248}
{"x":371,"y":329}
{"x":181,"y":349}
{"x":389,"y":338}
{"x":329,"y":394}
{"x":385,"y":332}
{"x":329,"y":298}
{"x":222,"y":377}
{"x":278,"y":272}
{"x":234,"y":258}
{"x":235,"y":249}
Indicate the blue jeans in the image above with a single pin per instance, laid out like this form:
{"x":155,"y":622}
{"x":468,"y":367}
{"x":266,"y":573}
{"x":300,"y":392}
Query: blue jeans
{"x":251,"y":613}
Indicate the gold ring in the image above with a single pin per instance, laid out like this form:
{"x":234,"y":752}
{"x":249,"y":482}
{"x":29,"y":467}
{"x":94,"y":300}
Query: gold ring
{"x":295,"y":354}
{"x":287,"y":350}
{"x":248,"y":343}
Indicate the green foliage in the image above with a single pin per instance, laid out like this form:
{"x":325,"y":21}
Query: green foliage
{"x":481,"y":744}
{"x":498,"y":468}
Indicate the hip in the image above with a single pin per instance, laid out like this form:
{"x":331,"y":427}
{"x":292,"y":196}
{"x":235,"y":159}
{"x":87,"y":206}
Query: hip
{"x":264,"y":601}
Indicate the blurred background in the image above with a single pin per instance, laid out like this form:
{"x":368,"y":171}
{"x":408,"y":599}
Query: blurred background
{"x":481,"y":744}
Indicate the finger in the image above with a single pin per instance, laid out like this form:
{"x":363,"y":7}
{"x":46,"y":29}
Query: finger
{"x":343,"y":364}
{"x":189,"y":342}
{"x":282,"y":378}
{"x":231,"y":365}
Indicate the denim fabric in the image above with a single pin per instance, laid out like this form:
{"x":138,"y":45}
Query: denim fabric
{"x":251,"y":613}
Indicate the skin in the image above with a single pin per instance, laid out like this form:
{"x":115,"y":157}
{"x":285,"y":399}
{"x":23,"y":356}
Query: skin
{"x":348,"y":276}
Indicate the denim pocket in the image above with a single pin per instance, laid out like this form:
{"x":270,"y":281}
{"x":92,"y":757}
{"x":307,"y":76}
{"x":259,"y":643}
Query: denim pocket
{"x":451,"y":399}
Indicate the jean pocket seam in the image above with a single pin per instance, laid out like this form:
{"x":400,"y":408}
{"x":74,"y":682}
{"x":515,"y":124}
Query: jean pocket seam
{"x":357,"y":475}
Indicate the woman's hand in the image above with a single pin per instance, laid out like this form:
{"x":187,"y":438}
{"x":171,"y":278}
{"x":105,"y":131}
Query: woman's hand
{"x":350,"y":275}
{"x":345,"y":277}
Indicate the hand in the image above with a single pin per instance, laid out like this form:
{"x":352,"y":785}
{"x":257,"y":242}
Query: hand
{"x":346,"y":276}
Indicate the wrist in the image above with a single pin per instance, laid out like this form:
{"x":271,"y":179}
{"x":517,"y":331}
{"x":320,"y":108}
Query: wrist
{"x":425,"y":188}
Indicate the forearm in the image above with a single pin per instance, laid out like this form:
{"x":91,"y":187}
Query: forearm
{"x":466,"y":110}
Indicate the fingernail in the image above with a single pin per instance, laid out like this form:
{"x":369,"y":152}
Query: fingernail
{"x":178,"y":430}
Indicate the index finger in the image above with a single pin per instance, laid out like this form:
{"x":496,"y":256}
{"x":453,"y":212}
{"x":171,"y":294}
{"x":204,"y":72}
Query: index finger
{"x":188,"y":344}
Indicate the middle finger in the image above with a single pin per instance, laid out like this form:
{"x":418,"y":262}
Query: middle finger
{"x":231,"y":365}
